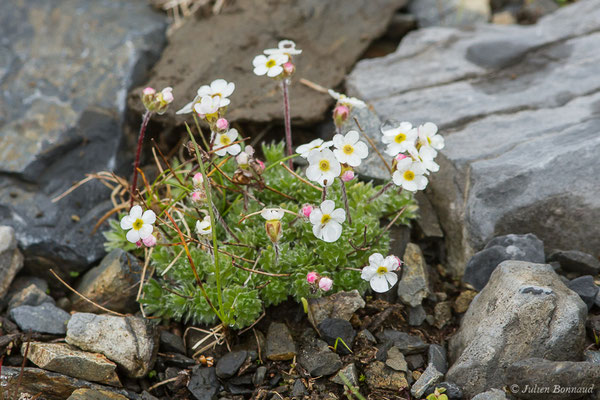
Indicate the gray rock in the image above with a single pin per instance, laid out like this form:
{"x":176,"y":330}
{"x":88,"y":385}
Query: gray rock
{"x":415,"y":361}
{"x":63,"y":95}
{"x":482,"y":85}
{"x":407,"y":344}
{"x":414,"y":285}
{"x":427,"y":219}
{"x":316,"y":357}
{"x":378,"y":376}
{"x":416,"y":315}
{"x":29,"y":296}
{"x":339,"y":305}
{"x":204,"y":384}
{"x":230,"y":363}
{"x":259,"y":375}
{"x":333,"y":328}
{"x":436,"y":356}
{"x":131,"y":342}
{"x":556,"y":380}
{"x":91,"y":394}
{"x":171,"y":343}
{"x":452,"y":390}
{"x":45,"y":318}
{"x":366,"y":336}
{"x":314,"y":25}
{"x":462,"y":302}
{"x":576,"y":261}
{"x":67,"y":360}
{"x":298,"y":390}
{"x":442,"y":314}
{"x":509,"y":247}
{"x":493,"y":394}
{"x":459,"y":13}
{"x":592,"y":356}
{"x":11,"y":259}
{"x":113,"y":284}
{"x":395,"y":360}
{"x":493,"y":333}
{"x":585,"y":287}
{"x":280,"y":344}
{"x":350,"y":372}
{"x":54,"y":386}
{"x":428,"y":379}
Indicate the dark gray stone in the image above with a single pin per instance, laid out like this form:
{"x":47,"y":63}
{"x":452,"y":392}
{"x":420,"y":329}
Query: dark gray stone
{"x":339,"y":305}
{"x":575,"y":379}
{"x":29,"y":296}
{"x":204,"y":384}
{"x":585,"y":287}
{"x":415,"y":361}
{"x":428,"y":379}
{"x":316,"y":27}
{"x":592,"y":356}
{"x":280,"y":344}
{"x":458,"y":13}
{"x":316,"y":357}
{"x":11,"y":259}
{"x":350,"y":372}
{"x":45,"y":318}
{"x":436,"y":356}
{"x":395,"y":360}
{"x":416,"y":315}
{"x":407,"y":344}
{"x":548,"y":92}
{"x":414,"y":285}
{"x":259,"y":375}
{"x":509,"y":247}
{"x":333,"y":328}
{"x":298,"y":390}
{"x":366,"y":336}
{"x":452,"y":390}
{"x":65,"y":71}
{"x":230,"y":363}
{"x":171,"y":343}
{"x":113,"y":284}
{"x":576,"y":261}
{"x":493,"y":394}
{"x":493,"y":332}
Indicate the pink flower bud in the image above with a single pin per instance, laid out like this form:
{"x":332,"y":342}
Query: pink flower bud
{"x":340,"y":114}
{"x":198,"y":179}
{"x":311,"y":277}
{"x":198,"y":196}
{"x":347,"y":176}
{"x":167,"y":95}
{"x":400,"y":157}
{"x":138,"y":243}
{"x":306,"y":210}
{"x":148,"y":91}
{"x":325,"y":284}
{"x":261,"y":165}
{"x":289,"y":68}
{"x":399,"y":261}
{"x":222,"y":124}
{"x":150,"y":241}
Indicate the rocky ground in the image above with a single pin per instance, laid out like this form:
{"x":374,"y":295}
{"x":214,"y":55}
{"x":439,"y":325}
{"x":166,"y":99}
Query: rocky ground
{"x":500,"y":288}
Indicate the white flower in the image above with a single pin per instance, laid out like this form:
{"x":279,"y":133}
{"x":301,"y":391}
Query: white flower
{"x":428,"y":136}
{"x":271,"y":214}
{"x":218,"y":88}
{"x":380,"y":272}
{"x":400,"y":139}
{"x":140,"y":224}
{"x":410,"y":175}
{"x":208,"y":105}
{"x":204,"y":227}
{"x":327,"y":221}
{"x":189,"y":107}
{"x":347,"y":101}
{"x":349,"y":150}
{"x":225,"y":139}
{"x":426,"y":155}
{"x":284,"y":47}
{"x":323,"y":166}
{"x":317,"y":144}
{"x":272,"y":65}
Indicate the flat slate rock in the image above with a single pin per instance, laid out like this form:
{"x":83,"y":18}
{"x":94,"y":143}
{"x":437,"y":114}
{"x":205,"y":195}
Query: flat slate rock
{"x":45,"y":318}
{"x":65,"y":68}
{"x":333,"y":35}
{"x":509,"y":100}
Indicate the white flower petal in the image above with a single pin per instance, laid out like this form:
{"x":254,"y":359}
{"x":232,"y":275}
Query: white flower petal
{"x":149,"y":217}
{"x":368,"y":273}
{"x":379,"y":284}
{"x":135,"y":212}
{"x":327,"y":206}
{"x":392,"y":278}
{"x":274,"y":71}
{"x":315,"y":216}
{"x":259,"y":60}
{"x":145,"y":231}
{"x":339,"y":215}
{"x":261,"y":70}
{"x":375,"y":260}
{"x":133,"y":236}
{"x":234,"y":150}
{"x":332,"y":232}
{"x":352,"y":137}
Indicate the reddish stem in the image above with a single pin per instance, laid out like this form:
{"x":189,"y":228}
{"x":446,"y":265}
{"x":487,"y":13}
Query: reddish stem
{"x":287,"y":119}
{"x":136,"y":164}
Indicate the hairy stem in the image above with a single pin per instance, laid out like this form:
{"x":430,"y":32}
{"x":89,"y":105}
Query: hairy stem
{"x":345,"y":198}
{"x":138,"y":152}
{"x":287,"y":118}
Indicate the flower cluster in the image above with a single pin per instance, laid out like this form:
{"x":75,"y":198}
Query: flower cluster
{"x":139,"y":226}
{"x":322,"y":282}
{"x":380,"y":273}
{"x":277,"y":63}
{"x":343,"y":107}
{"x":414,"y":151}
{"x":157,"y":102}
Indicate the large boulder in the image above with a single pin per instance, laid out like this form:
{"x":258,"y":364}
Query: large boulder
{"x":333,"y":35}
{"x":65,"y":68}
{"x":524,"y":311}
{"x":509,"y":100}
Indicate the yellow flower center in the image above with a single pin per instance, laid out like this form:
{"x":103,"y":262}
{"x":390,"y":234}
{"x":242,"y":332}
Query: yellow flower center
{"x":137,"y":225}
{"x":348,"y":149}
{"x":225,"y":140}
{"x":409,"y":175}
{"x":401,"y":137}
{"x":324,"y":165}
{"x":382,"y":270}
{"x":271,"y":63}
{"x":325,"y":219}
